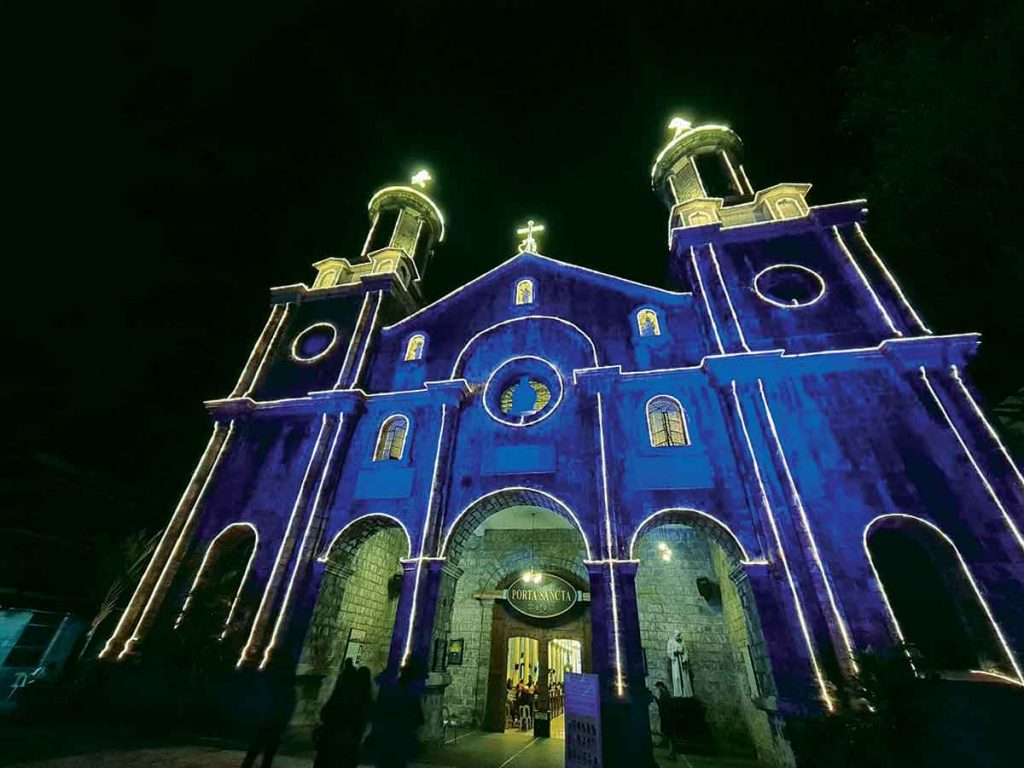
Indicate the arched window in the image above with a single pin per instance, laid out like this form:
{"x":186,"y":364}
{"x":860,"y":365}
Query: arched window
{"x":391,"y":440}
{"x":698,"y":218}
{"x":327,"y":278}
{"x":524,"y":292}
{"x":647,"y":323}
{"x":666,"y":422}
{"x":414,"y":347}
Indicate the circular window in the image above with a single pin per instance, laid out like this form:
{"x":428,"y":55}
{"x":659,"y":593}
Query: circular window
{"x":314,"y":342}
{"x":789,"y":286}
{"x":523,"y":391}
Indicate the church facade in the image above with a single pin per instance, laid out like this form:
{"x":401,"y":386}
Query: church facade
{"x":779,"y":420}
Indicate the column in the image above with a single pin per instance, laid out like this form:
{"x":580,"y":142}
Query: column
{"x":619,"y":663}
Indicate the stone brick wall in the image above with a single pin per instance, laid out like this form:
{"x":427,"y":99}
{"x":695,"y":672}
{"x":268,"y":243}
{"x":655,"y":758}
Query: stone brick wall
{"x":715,"y":636}
{"x":353,"y":596}
{"x":486,"y":560}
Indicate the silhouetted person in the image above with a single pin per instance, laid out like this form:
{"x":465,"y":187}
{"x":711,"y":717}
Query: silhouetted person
{"x":274,"y":702}
{"x":665,"y":721}
{"x":399,"y":715}
{"x":343,"y":719}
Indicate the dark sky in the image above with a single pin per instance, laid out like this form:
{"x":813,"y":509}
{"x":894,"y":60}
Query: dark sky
{"x":168,"y":162}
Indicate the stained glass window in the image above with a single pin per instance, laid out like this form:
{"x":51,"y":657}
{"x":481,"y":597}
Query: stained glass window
{"x":647,"y":322}
{"x":666,"y":423}
{"x":391,"y":440}
{"x":524,"y":292}
{"x":414,"y":347}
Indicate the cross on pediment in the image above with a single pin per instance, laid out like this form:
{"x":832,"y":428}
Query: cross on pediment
{"x":529,"y":243}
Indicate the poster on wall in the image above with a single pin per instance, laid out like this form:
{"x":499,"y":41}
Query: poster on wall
{"x":354,"y":646}
{"x":455,"y":649}
{"x":582,"y":722}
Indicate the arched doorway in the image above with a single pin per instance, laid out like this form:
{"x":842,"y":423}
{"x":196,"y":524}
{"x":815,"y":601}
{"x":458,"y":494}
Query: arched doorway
{"x":691,"y":580}
{"x":355,"y":612}
{"x":214,"y":615}
{"x":937,"y":611}
{"x":505,"y":554}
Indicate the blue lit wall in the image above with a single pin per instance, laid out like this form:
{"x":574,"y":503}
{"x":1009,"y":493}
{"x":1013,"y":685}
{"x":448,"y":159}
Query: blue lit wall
{"x":806,"y":424}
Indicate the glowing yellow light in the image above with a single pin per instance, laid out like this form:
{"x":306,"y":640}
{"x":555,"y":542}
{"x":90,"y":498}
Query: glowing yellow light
{"x":662,"y":546}
{"x":666,"y":556}
{"x":420,"y":178}
{"x":679,"y":124}
{"x":529,"y":243}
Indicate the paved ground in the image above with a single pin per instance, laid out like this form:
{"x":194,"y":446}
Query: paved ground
{"x":86,"y":748}
{"x":474,"y":750}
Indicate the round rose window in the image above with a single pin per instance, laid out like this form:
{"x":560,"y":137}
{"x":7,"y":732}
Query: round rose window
{"x":314,"y":342}
{"x":789,"y":285}
{"x":523,"y":391}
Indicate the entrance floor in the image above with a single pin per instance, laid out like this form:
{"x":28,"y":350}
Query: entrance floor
{"x":521,"y":750}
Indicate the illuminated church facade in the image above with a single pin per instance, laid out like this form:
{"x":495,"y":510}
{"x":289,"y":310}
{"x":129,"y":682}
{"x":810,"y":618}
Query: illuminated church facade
{"x":779,"y":417}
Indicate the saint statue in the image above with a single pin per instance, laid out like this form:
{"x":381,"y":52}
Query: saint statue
{"x":679,"y":662}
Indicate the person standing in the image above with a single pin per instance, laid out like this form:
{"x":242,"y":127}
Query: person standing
{"x":399,"y":716}
{"x":274,"y":702}
{"x":339,"y":735}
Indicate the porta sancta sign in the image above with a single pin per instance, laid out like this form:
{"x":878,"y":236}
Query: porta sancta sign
{"x":552,"y":597}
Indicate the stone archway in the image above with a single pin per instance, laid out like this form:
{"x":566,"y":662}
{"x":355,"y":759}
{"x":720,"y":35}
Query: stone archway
{"x":485,"y":546}
{"x":354,"y":616}
{"x":692,"y":578}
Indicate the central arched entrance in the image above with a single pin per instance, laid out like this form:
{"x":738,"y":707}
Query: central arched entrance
{"x":517,"y":597}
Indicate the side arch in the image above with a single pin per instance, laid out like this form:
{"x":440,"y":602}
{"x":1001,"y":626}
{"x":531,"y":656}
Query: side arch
{"x":232,"y":535}
{"x":707,"y":524}
{"x":914,"y":525}
{"x":478,"y":510}
{"x":355,"y":532}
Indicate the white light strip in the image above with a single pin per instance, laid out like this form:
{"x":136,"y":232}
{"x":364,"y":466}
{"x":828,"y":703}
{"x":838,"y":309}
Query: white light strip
{"x":646,"y":525}
{"x":997,"y":676}
{"x":806,"y":525}
{"x":988,"y":426}
{"x":269,"y":351}
{"x":805,"y":630}
{"x":346,"y":364}
{"x":260,"y":617}
{"x":202,"y":569}
{"x":252,"y":355}
{"x":743,"y":173}
{"x":179,"y":545}
{"x":369,"y":338}
{"x":556,"y":262}
{"x":707,"y":304}
{"x":369,"y":235}
{"x":732,"y":171}
{"x":676,"y":139}
{"x":423,"y":539}
{"x":300,"y":561}
{"x":864,"y":279}
{"x":970,"y":457}
{"x":511,"y":489}
{"x":799,"y":267}
{"x":619,"y":684}
{"x":294,"y":350}
{"x":128,"y":615}
{"x":892,"y":280}
{"x":551,"y":410}
{"x":885,"y":598}
{"x":728,"y":298}
{"x":458,"y":360}
{"x":408,"y":539}
{"x":967,"y":572}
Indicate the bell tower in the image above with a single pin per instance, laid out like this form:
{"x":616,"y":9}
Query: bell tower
{"x":700,"y":176}
{"x":405,"y":225}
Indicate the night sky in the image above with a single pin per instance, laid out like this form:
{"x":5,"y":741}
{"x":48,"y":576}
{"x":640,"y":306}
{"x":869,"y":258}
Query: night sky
{"x":168,"y":162}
